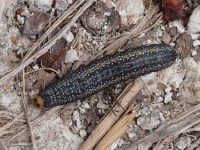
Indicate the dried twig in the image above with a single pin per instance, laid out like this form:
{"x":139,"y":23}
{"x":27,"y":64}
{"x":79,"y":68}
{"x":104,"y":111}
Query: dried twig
{"x":169,"y":130}
{"x":194,"y":145}
{"x":120,"y":127}
{"x":20,"y":144}
{"x":180,"y":117}
{"x":53,"y":70}
{"x":108,"y":121}
{"x":2,"y":146}
{"x":9,"y":124}
{"x":176,"y":133}
{"x":26,"y":113}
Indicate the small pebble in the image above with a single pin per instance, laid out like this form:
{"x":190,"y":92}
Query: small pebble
{"x":159,"y":33}
{"x":173,"y":31}
{"x":101,"y":105}
{"x":194,"y":52}
{"x":166,"y":38}
{"x":69,"y":37}
{"x":131,"y":11}
{"x":85,"y":105}
{"x":35,"y":67}
{"x":150,"y":119}
{"x":61,"y":5}
{"x":172,"y":44}
{"x":168,"y":95}
{"x":82,"y":110}
{"x":107,"y":14}
{"x":178,"y":24}
{"x":71,"y":56}
{"x":83,"y":133}
{"x":70,"y":1}
{"x":194,"y":36}
{"x":183,"y":142}
{"x":196,"y":43}
{"x":76,"y":118}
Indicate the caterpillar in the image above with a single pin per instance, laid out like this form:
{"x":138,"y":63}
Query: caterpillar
{"x":102,"y":73}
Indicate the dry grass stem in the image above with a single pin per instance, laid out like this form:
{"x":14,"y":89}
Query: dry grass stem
{"x":110,"y":118}
{"x":119,"y":128}
{"x":169,"y":130}
{"x":9,"y":124}
{"x":194,"y":145}
{"x":2,"y":146}
{"x":26,"y":112}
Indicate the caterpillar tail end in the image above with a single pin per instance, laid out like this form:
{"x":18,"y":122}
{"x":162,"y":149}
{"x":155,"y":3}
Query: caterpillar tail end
{"x":38,"y":101}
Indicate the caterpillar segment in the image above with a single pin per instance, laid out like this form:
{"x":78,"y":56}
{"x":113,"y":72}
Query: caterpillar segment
{"x":107,"y":71}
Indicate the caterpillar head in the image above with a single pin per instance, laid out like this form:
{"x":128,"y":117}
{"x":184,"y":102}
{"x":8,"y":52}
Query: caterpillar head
{"x":38,"y":101}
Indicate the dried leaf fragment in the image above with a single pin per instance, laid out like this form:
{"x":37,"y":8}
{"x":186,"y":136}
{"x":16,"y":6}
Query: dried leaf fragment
{"x":45,"y":78}
{"x":119,"y":128}
{"x":52,"y":60}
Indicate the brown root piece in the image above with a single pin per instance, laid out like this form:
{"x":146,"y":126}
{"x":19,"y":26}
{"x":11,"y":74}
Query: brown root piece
{"x":108,"y":121}
{"x":173,"y":9}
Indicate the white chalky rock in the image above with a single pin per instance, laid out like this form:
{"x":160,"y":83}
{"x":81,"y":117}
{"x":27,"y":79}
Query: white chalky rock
{"x":85,"y":105}
{"x":179,"y":25}
{"x":131,"y":11}
{"x":168,"y":96}
{"x":194,"y":21}
{"x":194,"y":36}
{"x":70,"y":1}
{"x":83,"y":133}
{"x":150,"y":119}
{"x":71,"y":56}
{"x":44,"y":4}
{"x":69,"y":36}
{"x":76,"y":118}
{"x":196,"y":43}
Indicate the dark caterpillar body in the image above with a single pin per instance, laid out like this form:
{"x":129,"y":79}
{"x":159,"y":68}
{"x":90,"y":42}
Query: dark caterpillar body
{"x":104,"y":72}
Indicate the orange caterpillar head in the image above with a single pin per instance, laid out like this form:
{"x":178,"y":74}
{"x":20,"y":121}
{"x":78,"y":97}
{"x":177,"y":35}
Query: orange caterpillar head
{"x":38,"y":101}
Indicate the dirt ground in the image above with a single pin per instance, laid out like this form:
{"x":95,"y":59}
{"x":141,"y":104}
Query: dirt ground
{"x":41,"y":40}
